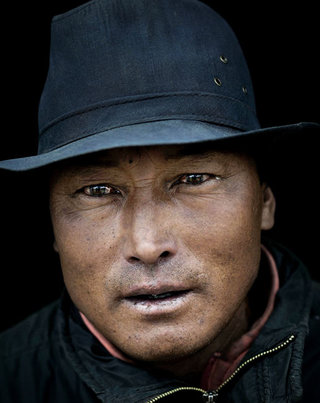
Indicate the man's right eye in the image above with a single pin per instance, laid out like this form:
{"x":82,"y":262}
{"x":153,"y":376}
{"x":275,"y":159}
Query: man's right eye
{"x":99,"y":190}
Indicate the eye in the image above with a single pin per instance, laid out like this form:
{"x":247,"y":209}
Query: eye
{"x":99,"y":190}
{"x":195,"y":179}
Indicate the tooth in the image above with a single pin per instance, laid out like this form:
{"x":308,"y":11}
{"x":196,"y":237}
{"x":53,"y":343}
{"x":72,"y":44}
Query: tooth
{"x":161,"y":296}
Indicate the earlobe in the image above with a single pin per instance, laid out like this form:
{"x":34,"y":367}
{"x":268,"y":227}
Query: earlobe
{"x":268,"y":208}
{"x":55,"y":246}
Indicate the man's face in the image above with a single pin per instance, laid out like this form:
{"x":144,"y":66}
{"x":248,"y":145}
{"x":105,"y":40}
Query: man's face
{"x":160,"y":245}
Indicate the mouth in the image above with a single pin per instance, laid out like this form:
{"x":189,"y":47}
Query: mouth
{"x":159,"y":301}
{"x":157,"y":297}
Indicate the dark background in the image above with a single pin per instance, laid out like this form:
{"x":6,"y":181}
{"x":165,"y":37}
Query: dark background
{"x":281,"y":47}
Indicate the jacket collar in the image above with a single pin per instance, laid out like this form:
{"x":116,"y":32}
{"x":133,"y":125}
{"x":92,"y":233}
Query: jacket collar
{"x":290,"y":316}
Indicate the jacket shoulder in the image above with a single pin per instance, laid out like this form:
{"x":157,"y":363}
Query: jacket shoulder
{"x":316,"y":297}
{"x":314,"y":320}
{"x":311,"y":362}
{"x":31,"y":333}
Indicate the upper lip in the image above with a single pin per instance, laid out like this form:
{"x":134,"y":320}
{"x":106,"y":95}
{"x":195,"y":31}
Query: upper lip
{"x":154,"y":290}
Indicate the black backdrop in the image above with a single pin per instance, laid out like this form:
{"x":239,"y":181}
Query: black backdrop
{"x":281,"y":47}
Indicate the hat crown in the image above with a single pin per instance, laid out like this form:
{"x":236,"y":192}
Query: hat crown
{"x":119,"y":62}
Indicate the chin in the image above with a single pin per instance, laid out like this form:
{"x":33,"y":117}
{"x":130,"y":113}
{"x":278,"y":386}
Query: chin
{"x":165,"y":348}
{"x":164,"y":356}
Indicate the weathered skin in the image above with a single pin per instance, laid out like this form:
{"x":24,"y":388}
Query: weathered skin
{"x":155,"y":230}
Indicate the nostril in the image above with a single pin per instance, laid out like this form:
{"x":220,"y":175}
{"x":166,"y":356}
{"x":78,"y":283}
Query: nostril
{"x":134,"y":259}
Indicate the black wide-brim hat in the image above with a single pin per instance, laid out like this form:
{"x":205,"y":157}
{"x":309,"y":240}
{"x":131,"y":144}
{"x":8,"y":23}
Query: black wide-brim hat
{"x":126,"y":73}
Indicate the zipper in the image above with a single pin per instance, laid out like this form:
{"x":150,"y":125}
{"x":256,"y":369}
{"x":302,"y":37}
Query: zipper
{"x":211,"y":396}
{"x":172,"y":391}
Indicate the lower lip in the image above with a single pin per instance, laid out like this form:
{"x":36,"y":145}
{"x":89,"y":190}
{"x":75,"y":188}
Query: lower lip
{"x":159,"y":306}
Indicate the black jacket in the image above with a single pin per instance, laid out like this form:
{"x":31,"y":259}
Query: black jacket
{"x":51,"y":356}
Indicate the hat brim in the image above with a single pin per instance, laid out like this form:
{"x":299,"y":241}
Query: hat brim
{"x":165,"y":132}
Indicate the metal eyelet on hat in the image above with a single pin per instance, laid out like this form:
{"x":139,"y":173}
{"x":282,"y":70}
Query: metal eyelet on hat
{"x":224,"y":59}
{"x":217,"y":81}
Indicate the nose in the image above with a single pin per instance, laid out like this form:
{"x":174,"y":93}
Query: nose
{"x":149,"y":253}
{"x":149,"y":237}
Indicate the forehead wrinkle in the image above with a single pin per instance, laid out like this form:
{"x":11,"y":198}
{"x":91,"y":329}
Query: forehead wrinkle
{"x":117,"y":157}
{"x":84,"y":165}
{"x":205,"y":153}
{"x":195,"y":158}
{"x":82,"y":172}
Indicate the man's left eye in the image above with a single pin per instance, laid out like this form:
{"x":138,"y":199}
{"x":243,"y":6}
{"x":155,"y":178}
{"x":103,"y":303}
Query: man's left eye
{"x":195,"y":179}
{"x":99,"y":190}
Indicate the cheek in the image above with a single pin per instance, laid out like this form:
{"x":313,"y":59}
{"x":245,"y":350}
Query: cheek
{"x":222,"y":222}
{"x":86,"y":250}
{"x":227,"y":242}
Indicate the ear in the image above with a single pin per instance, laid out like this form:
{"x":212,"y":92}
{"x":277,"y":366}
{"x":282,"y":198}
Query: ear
{"x":55,"y":246}
{"x":268,"y":208}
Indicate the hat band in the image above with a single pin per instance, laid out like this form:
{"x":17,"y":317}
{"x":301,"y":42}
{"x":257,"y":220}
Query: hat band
{"x":206,"y":107}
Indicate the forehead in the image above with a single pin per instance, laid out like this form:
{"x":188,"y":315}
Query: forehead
{"x":166,"y":154}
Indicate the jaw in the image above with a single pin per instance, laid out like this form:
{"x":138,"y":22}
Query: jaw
{"x":179,"y":351}
{"x":171,"y":333}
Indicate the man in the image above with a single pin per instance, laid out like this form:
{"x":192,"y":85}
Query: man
{"x":158,"y":196}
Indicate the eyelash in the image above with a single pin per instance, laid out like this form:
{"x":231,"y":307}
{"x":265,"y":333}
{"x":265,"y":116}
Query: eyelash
{"x":195,"y":177}
{"x":94,"y":189}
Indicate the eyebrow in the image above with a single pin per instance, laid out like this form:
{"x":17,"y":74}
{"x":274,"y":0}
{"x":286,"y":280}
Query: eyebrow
{"x":201,"y":152}
{"x":92,"y":169}
{"x":88,"y":164}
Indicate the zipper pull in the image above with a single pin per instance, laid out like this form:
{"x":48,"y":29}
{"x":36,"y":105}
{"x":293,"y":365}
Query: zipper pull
{"x":210,"y":396}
